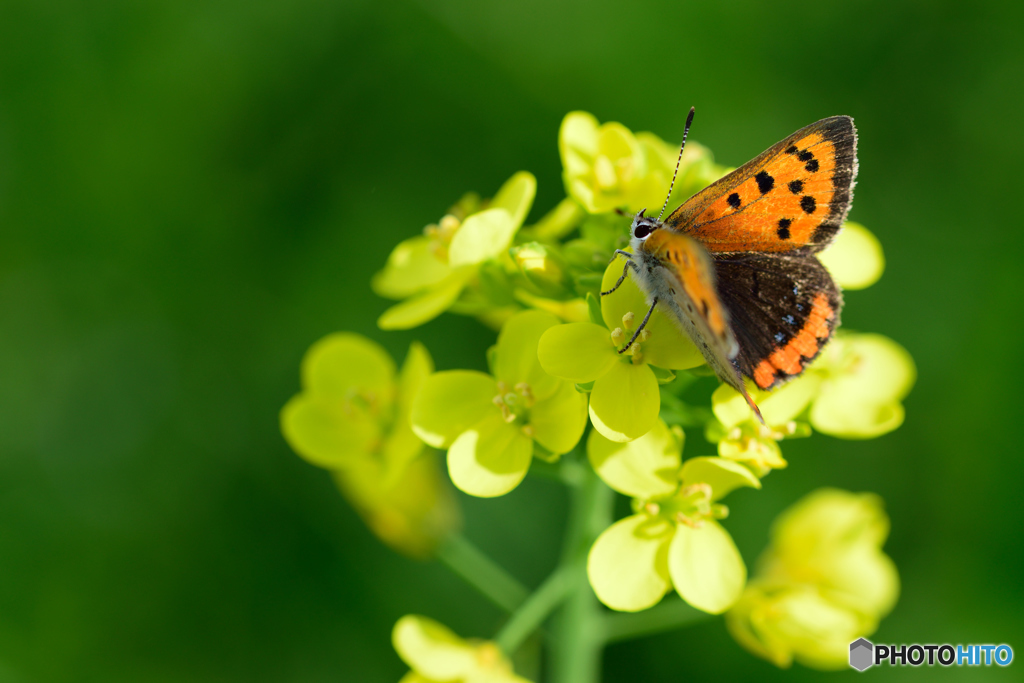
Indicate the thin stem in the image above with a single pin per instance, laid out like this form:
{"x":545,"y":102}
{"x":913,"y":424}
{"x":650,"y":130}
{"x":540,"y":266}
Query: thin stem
{"x":576,"y":654}
{"x":535,"y":610}
{"x":482,"y":573}
{"x":672,"y":613}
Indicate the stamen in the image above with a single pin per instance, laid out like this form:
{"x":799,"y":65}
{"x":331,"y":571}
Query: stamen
{"x":627,"y":320}
{"x":618,"y":336}
{"x":636,"y":353}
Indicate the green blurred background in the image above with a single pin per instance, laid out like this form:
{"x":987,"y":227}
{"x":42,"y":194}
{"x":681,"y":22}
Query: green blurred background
{"x":191,"y":193}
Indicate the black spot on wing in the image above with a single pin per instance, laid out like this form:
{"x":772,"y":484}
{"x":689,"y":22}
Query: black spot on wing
{"x":764,"y":182}
{"x":734,"y":200}
{"x":796,"y":186}
{"x":808,"y":204}
{"x":805,"y":155}
{"x":812,"y":165}
{"x":783,"y":230}
{"x":791,"y":149}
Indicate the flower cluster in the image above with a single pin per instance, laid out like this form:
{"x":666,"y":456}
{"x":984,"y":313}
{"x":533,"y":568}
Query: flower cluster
{"x":558,"y":368}
{"x":823,"y":583}
{"x":352,"y":418}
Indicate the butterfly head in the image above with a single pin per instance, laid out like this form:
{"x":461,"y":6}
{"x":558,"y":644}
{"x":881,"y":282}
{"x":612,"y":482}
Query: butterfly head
{"x":641,"y":229}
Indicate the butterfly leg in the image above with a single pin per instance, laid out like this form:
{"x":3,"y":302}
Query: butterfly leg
{"x":641,"y":327}
{"x":625,"y":269}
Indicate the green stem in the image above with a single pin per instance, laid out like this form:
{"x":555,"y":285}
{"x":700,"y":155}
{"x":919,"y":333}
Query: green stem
{"x":482,"y":573}
{"x":672,"y":613}
{"x":576,"y":654}
{"x":535,"y":610}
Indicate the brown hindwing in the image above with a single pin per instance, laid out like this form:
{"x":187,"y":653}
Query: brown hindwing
{"x":784,"y":309}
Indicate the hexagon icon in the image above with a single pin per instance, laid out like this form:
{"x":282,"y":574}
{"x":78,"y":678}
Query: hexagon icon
{"x":861,"y":654}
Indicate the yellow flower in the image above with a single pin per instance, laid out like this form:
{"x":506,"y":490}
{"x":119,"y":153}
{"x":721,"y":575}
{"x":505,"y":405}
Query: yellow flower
{"x":352,"y":417}
{"x":431,"y":271}
{"x":853,"y":390}
{"x":625,"y":399}
{"x":493,"y":426}
{"x":436,"y":655}
{"x":674,"y":539}
{"x":823,"y":582}
{"x":606,"y":166}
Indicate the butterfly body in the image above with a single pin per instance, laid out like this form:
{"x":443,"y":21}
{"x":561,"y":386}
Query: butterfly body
{"x":734,"y":265}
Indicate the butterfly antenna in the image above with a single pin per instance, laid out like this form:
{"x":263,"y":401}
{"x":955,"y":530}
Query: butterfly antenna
{"x":686,"y":131}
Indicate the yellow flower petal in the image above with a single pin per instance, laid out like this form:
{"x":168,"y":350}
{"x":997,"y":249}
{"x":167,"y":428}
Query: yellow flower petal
{"x":411,"y":267}
{"x":402,"y":445}
{"x":628,"y":563}
{"x":517,"y":353}
{"x":855,"y":259}
{"x":484,"y":235}
{"x":426,"y":306}
{"x":344,"y":364}
{"x":706,"y":567}
{"x":647,"y":467}
{"x":860,"y":398}
{"x":577,"y":142}
{"x":578,"y":352}
{"x":723,"y":476}
{"x":490,"y":458}
{"x":625,"y":401}
{"x":411,"y":512}
{"x":451,"y":402}
{"x":559,"y":420}
{"x":516,"y":196}
{"x":431,"y":649}
{"x":326,"y":432}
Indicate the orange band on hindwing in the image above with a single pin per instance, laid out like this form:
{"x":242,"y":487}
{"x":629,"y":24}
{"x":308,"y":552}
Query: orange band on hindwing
{"x":791,"y":358}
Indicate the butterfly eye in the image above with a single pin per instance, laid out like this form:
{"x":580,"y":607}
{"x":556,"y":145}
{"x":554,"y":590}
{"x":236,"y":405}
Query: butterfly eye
{"x":642,"y":231}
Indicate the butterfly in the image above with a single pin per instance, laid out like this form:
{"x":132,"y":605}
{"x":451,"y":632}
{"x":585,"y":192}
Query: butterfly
{"x":735,"y":264}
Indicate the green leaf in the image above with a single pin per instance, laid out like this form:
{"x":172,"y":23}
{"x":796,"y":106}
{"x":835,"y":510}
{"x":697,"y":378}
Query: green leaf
{"x":628,"y":563}
{"x":645,"y":468}
{"x":584,"y":387}
{"x":490,"y":458}
{"x":706,"y":567}
{"x":625,"y":401}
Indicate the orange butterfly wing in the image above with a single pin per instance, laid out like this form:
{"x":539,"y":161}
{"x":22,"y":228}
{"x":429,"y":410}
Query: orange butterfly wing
{"x":794,"y":195}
